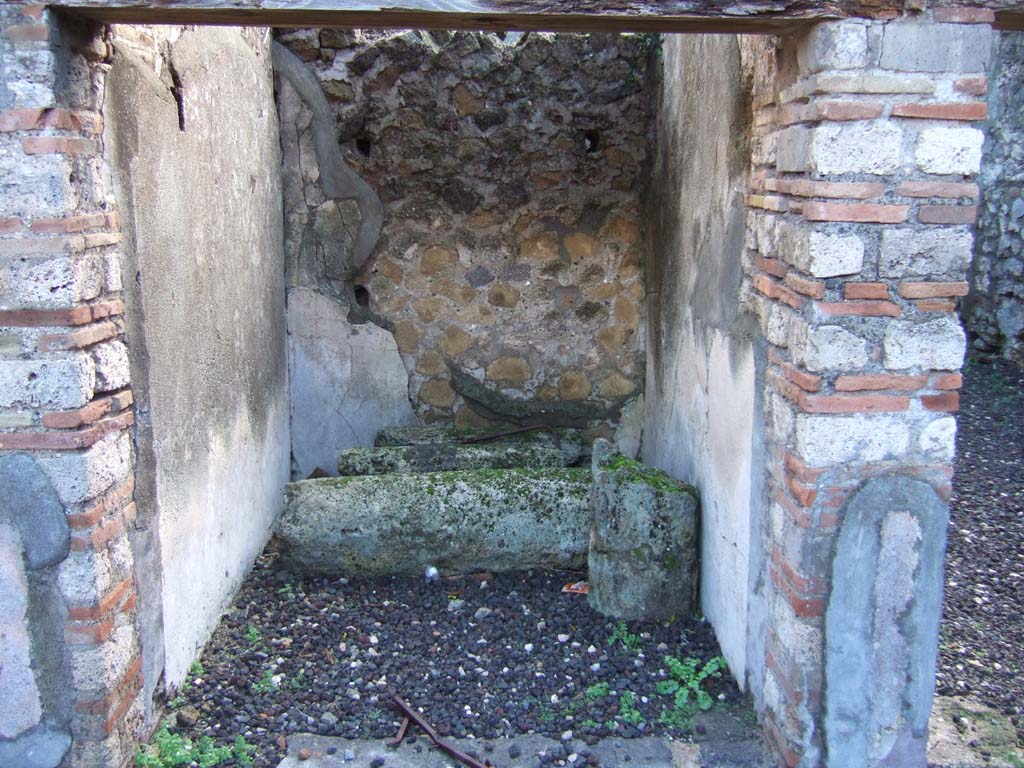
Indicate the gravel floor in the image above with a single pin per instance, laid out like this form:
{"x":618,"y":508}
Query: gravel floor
{"x":488,"y":657}
{"x":982,"y":635}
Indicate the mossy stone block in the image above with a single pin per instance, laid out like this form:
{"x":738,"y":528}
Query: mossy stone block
{"x":643,"y":556}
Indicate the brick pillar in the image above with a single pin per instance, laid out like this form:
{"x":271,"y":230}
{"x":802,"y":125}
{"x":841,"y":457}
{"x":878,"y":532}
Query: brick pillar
{"x":860,"y":235}
{"x":65,"y":399}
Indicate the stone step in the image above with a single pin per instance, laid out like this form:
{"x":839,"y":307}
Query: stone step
{"x":459,"y":522}
{"x":568,"y":442}
{"x":446,"y":457}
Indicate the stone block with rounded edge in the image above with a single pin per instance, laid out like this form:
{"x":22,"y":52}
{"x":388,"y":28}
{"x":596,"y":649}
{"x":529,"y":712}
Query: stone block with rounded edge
{"x":445,"y":457}
{"x":568,"y":440}
{"x":459,"y":522}
{"x":643,"y":558}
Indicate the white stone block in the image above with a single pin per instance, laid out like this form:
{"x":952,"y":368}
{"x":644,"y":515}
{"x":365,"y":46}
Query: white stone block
{"x":53,"y":384}
{"x":113,"y":370}
{"x":832,"y":255}
{"x":51,"y":283}
{"x":949,"y":150}
{"x":927,"y":253}
{"x":833,"y":348}
{"x":938,"y":439}
{"x":937,"y":344}
{"x":860,"y":438}
{"x":834,"y":45}
{"x":81,"y":475}
{"x":875,"y":148}
{"x":792,"y":148}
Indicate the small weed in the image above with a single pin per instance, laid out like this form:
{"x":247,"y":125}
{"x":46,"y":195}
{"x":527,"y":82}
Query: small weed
{"x":545,"y":713}
{"x":1014,"y":759}
{"x":376,"y":714}
{"x":197,"y":669}
{"x":170,"y":750}
{"x":627,"y":709}
{"x":178,"y":702}
{"x":252,"y":635}
{"x":588,"y":723}
{"x":298,"y":682}
{"x":686,"y":680}
{"x":597,"y":691}
{"x":287,"y":589}
{"x":265,"y":684}
{"x":620,"y":634}
{"x":675,"y":718}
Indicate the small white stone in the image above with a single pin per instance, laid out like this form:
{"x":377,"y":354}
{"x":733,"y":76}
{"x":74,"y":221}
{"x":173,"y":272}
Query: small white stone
{"x":875,"y":148}
{"x":563,"y":638}
{"x":834,"y":255}
{"x":937,"y":344}
{"x":833,"y":348}
{"x":528,"y":647}
{"x":591,"y":650}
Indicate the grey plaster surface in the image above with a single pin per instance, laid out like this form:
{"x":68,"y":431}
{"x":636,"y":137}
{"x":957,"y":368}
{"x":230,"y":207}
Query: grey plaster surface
{"x":347,"y":381}
{"x":702,"y":401}
{"x":882,"y":623}
{"x":192,"y":141}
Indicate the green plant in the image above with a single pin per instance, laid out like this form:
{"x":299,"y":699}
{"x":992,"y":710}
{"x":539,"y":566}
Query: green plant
{"x":1014,"y":759}
{"x":627,"y":709}
{"x":588,"y":723}
{"x":686,"y":679}
{"x":252,"y":635}
{"x":266,"y":683}
{"x":630,"y":641}
{"x":197,"y":669}
{"x":597,"y":691}
{"x":170,"y":750}
{"x":178,"y":702}
{"x":298,"y":682}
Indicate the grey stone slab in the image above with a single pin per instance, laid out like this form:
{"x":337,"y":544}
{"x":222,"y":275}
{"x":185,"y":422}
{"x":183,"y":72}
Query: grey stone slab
{"x":643,"y":557}
{"x":459,"y":522}
{"x":882,"y":624}
{"x":568,"y":439}
{"x":327,"y":752}
{"x":32,"y":506}
{"x":41,"y":748}
{"x":910,"y":46}
{"x":445,"y":457}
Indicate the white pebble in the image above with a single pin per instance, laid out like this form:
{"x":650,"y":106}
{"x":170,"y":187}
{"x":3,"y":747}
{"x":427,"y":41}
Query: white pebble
{"x":563,"y":638}
{"x":573,"y":757}
{"x":528,"y":647}
{"x":554,"y":698}
{"x":373,"y":640}
{"x":595,"y":667}
{"x":591,"y":650}
{"x":431,"y":573}
{"x":566,"y":735}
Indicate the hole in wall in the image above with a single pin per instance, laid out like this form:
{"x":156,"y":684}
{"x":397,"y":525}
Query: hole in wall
{"x":362,"y":296}
{"x":364,"y":144}
{"x":591,"y":141}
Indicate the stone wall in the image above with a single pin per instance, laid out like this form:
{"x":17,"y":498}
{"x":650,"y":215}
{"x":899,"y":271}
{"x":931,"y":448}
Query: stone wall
{"x":203,"y":253}
{"x":510,"y":170}
{"x":864,"y":160}
{"x":995,"y":306}
{"x":70,"y":665}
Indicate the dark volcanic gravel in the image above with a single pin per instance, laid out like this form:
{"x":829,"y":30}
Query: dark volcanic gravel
{"x":982,"y":636}
{"x":488,"y":657}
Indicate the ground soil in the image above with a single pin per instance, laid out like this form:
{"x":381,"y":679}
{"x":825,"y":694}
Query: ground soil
{"x":488,"y":657}
{"x":982,"y":635}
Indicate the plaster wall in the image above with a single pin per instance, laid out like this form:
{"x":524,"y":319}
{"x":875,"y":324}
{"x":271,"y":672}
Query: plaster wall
{"x":702,"y":420}
{"x":192,"y":140}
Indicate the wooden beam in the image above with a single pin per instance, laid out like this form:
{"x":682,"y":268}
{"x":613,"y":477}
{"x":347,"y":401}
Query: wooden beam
{"x":708,"y":16}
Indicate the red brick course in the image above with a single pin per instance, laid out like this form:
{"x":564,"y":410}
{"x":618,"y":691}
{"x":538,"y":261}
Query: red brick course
{"x":856,"y":212}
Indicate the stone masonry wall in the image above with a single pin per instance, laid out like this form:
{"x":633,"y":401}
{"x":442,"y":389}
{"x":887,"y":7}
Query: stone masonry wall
{"x":995,"y":307}
{"x":510,"y":171}
{"x":70,"y":667}
{"x":866,"y":151}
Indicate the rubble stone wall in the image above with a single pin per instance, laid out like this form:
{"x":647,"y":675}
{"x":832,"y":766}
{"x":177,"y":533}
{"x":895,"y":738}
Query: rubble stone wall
{"x":995,"y":306}
{"x":510,"y":170}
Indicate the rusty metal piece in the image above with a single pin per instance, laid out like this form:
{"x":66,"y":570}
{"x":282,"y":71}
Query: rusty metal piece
{"x":510,"y":432}
{"x":397,"y":741}
{"x":452,"y":752}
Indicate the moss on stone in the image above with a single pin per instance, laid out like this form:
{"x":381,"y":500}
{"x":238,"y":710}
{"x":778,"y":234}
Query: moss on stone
{"x":632,"y":470}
